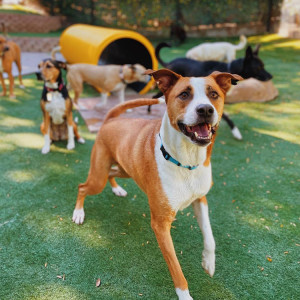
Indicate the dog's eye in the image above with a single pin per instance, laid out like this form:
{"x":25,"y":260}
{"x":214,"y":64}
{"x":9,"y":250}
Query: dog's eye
{"x":48,"y":66}
{"x":213,"y":95}
{"x":184,"y":95}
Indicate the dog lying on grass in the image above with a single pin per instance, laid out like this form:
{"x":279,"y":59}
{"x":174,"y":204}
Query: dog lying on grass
{"x":218,"y":51}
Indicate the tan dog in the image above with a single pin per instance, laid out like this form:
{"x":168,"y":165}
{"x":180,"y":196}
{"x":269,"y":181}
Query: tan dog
{"x":9,"y":52}
{"x":109,"y":78}
{"x":169,"y":159}
{"x":56,"y":106}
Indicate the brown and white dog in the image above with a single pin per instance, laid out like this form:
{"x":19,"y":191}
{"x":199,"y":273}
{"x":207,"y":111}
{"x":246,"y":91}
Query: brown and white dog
{"x":9,"y":52}
{"x":56,"y":106}
{"x":169,"y":159}
{"x":109,"y":78}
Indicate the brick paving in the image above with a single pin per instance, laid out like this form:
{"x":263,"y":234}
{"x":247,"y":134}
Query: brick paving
{"x":94,"y":117}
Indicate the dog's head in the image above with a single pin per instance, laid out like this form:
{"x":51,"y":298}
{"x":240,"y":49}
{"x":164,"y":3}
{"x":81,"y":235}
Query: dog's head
{"x":194,"y":104}
{"x":50,"y":70}
{"x":135,"y":73}
{"x":253,"y":66}
{"x":3,"y":46}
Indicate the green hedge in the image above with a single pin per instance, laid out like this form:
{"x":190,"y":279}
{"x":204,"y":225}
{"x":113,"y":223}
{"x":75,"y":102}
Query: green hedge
{"x":141,"y":14}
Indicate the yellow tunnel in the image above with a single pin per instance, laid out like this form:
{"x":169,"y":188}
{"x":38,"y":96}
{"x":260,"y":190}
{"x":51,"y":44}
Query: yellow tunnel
{"x":100,"y":46}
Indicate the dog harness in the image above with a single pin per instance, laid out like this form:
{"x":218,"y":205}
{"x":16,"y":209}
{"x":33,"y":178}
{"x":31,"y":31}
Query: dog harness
{"x":168,"y":157}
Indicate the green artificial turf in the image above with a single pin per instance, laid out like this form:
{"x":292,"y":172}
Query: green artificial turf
{"x":254,"y":207}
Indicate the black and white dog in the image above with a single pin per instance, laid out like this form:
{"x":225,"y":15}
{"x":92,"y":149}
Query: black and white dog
{"x":249,"y":66}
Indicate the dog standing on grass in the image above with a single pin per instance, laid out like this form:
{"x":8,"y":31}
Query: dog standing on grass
{"x":56,"y":106}
{"x":218,"y":51}
{"x":9,"y":53}
{"x":170,"y":159}
{"x":109,"y":78}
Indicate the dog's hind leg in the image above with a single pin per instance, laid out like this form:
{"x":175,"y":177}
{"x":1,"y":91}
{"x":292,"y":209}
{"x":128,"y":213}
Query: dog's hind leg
{"x":117,"y":171}
{"x":3,"y":85}
{"x":98,"y":174}
{"x":234,"y":130}
{"x":18,"y":63}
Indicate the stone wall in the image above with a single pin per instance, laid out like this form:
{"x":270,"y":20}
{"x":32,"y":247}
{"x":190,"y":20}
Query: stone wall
{"x":31,"y":23}
{"x":35,"y":44}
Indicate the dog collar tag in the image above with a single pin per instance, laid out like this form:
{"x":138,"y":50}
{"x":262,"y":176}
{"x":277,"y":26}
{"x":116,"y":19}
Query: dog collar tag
{"x":49,"y":97}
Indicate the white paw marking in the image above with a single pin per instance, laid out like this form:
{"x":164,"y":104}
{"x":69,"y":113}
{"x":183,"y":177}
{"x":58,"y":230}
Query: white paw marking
{"x":46,"y":149}
{"x":236,"y":133}
{"x":118,"y":191}
{"x":78,"y":216}
{"x":129,"y":110}
{"x":208,"y":262}
{"x":183,"y":295}
{"x":71,"y":145}
{"x":81,"y":140}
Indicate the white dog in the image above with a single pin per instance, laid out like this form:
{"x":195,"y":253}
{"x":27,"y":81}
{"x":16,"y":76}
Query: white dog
{"x":219,"y":51}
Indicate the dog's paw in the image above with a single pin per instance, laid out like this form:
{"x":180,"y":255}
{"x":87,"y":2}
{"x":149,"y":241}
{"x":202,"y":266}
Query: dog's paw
{"x":12,"y":96}
{"x":129,"y":110}
{"x":71,"y":145}
{"x":22,"y":86}
{"x":100,"y":105}
{"x":78,"y":216}
{"x":236,"y":133}
{"x":46,"y":149}
{"x":119,"y":191}
{"x":81,"y":140}
{"x":183,"y":294}
{"x":208,"y":262}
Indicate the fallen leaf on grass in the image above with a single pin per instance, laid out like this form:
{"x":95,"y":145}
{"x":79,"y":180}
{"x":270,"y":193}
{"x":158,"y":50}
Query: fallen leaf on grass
{"x":46,"y":264}
{"x":98,"y":282}
{"x":269,"y":259}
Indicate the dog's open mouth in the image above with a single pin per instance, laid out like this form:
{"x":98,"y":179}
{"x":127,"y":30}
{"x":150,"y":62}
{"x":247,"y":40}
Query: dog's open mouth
{"x":200,"y":134}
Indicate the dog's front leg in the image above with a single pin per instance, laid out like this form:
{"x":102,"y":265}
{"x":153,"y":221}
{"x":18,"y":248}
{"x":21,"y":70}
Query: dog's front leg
{"x":208,"y":255}
{"x":45,"y":129}
{"x":161,"y":227}
{"x":103,"y":101}
{"x":71,"y":141}
{"x":3,"y":85}
{"x":11,"y":85}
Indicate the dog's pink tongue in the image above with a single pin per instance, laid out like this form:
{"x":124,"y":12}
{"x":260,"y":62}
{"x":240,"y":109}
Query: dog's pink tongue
{"x":202,"y":130}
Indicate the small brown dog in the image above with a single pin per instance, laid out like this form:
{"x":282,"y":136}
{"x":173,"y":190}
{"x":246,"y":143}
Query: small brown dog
{"x":9,"y":52}
{"x":109,"y":78}
{"x":56,"y":106}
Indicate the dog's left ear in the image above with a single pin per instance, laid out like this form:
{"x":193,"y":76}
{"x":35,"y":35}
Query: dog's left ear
{"x":164,"y":78}
{"x":61,"y":65}
{"x":225,"y":80}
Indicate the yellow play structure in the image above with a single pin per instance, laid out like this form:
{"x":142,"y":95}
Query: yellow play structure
{"x":100,"y":46}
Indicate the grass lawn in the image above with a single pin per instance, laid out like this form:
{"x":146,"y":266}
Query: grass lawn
{"x":254,"y":207}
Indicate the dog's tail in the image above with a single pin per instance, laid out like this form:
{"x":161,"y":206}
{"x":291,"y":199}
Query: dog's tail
{"x":157,"y":50}
{"x":241,"y":45}
{"x":121,"y":108}
{"x":54,"y":51}
{"x":3,"y":28}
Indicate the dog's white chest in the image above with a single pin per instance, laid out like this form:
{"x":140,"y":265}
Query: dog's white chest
{"x":182,"y":186}
{"x":56,"y":106}
{"x":1,"y":66}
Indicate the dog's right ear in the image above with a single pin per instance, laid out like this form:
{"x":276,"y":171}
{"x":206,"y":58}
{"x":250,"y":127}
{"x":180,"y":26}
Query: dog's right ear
{"x":164,"y":78}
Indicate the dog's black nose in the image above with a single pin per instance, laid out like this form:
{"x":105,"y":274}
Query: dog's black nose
{"x":205,"y":110}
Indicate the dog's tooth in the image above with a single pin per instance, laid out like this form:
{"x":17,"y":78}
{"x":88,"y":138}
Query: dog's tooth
{"x":196,"y":134}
